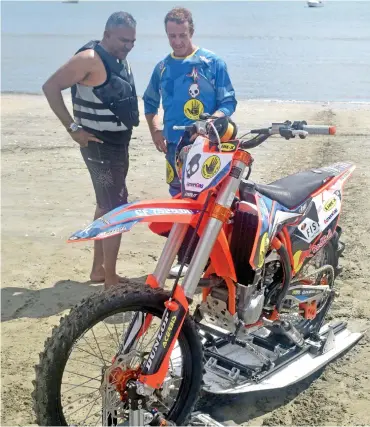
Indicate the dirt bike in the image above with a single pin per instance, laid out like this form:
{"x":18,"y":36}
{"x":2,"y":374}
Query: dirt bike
{"x":264,"y":257}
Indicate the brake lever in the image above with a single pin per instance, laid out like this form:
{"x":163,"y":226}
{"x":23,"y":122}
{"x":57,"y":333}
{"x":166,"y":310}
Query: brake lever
{"x":288,"y":133}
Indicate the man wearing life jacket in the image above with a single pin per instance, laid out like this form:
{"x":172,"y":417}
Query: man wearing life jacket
{"x":190,"y":81}
{"x":105,"y":109}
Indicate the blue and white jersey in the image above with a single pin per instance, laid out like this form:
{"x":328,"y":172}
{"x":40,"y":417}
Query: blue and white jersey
{"x":190,"y":86}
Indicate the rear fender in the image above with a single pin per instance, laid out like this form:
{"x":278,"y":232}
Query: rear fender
{"x":319,"y":224}
{"x":123,"y":218}
{"x":344,"y":171}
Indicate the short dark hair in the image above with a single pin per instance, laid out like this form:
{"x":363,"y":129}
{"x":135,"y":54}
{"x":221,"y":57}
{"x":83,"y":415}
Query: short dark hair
{"x":120,"y":19}
{"x":180,"y":15}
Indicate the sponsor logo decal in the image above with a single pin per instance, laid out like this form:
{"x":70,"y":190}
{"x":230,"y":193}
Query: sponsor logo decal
{"x":235,"y":172}
{"x":168,"y":332}
{"x":195,"y":184}
{"x":322,"y":242}
{"x":227,"y":146}
{"x":157,"y":341}
{"x":162,"y":211}
{"x":330,"y":204}
{"x":211,"y":166}
{"x":190,"y":194}
{"x":193,"y":165}
{"x":263,"y":249}
{"x":331,"y":216}
{"x":310,"y":229}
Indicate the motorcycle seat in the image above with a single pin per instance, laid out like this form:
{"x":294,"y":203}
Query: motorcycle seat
{"x":290,"y":191}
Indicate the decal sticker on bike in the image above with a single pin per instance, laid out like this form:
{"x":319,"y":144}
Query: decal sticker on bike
{"x":190,"y":194}
{"x":322,"y":242}
{"x":228,"y":146}
{"x":330,"y":218}
{"x":336,"y":168}
{"x":158,"y":340}
{"x":235,"y":172}
{"x":161,"y":211}
{"x":298,"y":260}
{"x":195,"y":185}
{"x":308,"y":230}
{"x":303,"y":207}
{"x":193,"y":165}
{"x":330,"y":204}
{"x":264,"y":245}
{"x":210,"y":167}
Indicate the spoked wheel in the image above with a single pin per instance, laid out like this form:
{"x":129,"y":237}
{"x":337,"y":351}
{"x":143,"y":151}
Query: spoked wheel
{"x":79,"y":381}
{"x":327,"y":256}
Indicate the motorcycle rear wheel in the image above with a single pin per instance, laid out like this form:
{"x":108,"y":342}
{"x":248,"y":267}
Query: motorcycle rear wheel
{"x":328,"y":255}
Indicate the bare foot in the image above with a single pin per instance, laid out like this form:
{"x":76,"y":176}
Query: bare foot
{"x":97,"y":275}
{"x":114,"y":282}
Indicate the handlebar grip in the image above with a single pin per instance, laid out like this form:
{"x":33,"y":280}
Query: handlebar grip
{"x":186,"y":128}
{"x":319,"y":129}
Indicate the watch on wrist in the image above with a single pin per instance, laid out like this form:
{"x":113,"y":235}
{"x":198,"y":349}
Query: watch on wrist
{"x":73,"y":127}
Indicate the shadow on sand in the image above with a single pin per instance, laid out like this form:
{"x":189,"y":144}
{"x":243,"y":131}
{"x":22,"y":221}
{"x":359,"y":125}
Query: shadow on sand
{"x":238,"y":409}
{"x":23,"y":302}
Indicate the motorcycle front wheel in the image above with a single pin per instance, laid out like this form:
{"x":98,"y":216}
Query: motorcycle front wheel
{"x":68,"y":387}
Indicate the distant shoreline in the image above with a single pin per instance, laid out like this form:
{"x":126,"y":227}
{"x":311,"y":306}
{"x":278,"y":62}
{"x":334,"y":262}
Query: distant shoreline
{"x":249,"y":100}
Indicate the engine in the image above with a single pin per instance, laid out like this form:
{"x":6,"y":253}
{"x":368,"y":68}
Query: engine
{"x":250,"y":303}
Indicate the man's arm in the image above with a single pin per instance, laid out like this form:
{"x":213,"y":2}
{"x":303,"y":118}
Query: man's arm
{"x":76,"y":70}
{"x":225,"y":93}
{"x":152,"y":98}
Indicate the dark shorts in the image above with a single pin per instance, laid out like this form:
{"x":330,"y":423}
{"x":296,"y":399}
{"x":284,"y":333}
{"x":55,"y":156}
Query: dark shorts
{"x":108,"y":166}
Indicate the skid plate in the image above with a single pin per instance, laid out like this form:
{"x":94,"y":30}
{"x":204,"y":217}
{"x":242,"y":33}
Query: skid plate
{"x":300,"y":368}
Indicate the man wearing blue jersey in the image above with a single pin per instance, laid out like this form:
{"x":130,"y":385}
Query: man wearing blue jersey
{"x":190,"y":81}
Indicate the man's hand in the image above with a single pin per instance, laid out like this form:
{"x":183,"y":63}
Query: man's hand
{"x":82,"y":137}
{"x":159,"y":141}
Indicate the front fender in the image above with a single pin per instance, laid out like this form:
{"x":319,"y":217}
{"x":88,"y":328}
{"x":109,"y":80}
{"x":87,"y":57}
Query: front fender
{"x":123,"y":218}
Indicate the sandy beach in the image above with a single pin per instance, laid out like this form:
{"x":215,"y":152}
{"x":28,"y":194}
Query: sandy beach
{"x":47,"y":195}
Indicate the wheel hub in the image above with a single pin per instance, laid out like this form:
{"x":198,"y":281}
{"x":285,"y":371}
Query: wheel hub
{"x":119,"y":377}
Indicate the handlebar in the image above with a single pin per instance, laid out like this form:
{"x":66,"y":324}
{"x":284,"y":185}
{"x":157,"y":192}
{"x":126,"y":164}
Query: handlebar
{"x":319,"y":129}
{"x":286,"y":129}
{"x":295,"y":127}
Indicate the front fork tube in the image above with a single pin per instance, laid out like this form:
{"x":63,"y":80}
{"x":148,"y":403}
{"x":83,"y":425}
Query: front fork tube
{"x":203,"y":250}
{"x":156,"y":365}
{"x":139,"y":324}
{"x":170,"y":250}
